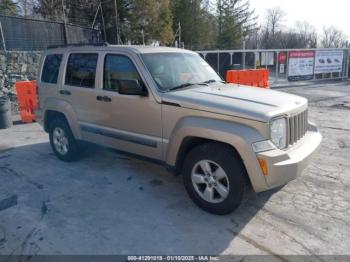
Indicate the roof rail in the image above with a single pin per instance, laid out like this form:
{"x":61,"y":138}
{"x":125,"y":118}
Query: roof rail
{"x":76,"y":45}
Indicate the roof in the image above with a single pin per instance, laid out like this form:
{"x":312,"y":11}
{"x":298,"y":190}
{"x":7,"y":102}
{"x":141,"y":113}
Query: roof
{"x":151,"y":49}
{"x":133,"y":48}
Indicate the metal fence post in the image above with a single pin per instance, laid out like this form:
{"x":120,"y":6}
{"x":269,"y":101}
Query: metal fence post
{"x":347,"y":64}
{"x":255,"y":60}
{"x":243,"y":54}
{"x":287,"y":65}
{"x":277,"y":66}
{"x":65,"y":32}
{"x":218,"y":63}
{"x":2,"y":37}
{"x":314,"y":75}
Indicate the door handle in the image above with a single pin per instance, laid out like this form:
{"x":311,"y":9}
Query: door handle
{"x":107,"y":99}
{"x":103,"y":98}
{"x":65,"y":92}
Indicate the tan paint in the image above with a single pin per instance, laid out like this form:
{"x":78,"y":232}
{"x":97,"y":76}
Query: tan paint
{"x":231,"y":114}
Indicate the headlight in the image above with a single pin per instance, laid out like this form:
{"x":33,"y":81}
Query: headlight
{"x":278,"y":132}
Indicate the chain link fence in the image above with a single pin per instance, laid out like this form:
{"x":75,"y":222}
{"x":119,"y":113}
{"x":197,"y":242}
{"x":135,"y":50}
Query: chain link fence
{"x":284,"y":65}
{"x":22,"y":34}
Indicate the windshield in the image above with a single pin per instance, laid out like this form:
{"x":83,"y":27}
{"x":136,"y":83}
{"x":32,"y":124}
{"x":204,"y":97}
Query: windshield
{"x":172,"y":70}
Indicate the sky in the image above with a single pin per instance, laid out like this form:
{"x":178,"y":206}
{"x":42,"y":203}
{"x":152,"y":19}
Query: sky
{"x":319,"y":13}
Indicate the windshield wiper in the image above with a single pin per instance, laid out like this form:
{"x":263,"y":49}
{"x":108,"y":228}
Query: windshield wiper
{"x":181,"y":86}
{"x":209,"y":81}
{"x":186,"y":85}
{"x":212,"y":81}
{"x":194,"y":84}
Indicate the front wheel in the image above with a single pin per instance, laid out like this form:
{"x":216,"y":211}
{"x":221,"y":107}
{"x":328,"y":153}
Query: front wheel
{"x":62,"y":140}
{"x":214,"y":178}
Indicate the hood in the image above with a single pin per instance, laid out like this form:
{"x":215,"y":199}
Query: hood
{"x":241,"y":101}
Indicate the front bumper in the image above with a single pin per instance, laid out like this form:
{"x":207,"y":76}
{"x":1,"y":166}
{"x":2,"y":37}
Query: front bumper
{"x":285,"y":165}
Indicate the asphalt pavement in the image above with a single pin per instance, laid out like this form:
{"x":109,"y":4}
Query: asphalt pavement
{"x":109,"y":203}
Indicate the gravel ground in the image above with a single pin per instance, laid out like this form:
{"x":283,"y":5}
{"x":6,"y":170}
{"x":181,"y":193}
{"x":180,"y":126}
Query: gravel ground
{"x":108,"y":203}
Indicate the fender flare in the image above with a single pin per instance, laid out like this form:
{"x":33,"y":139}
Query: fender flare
{"x":61,"y":106}
{"x":237,"y":135}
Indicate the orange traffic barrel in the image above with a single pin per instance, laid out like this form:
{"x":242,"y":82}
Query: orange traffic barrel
{"x":27,"y":100}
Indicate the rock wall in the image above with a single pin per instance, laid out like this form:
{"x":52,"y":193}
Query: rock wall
{"x":17,"y":66}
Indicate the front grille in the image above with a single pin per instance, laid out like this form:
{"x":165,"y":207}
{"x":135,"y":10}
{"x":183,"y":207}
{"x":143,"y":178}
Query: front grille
{"x":297,"y":127}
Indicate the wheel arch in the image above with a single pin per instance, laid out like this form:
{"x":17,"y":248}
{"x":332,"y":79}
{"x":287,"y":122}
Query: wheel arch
{"x":236,"y":136}
{"x":58,"y":108}
{"x":191,"y":142}
{"x":51,"y":115}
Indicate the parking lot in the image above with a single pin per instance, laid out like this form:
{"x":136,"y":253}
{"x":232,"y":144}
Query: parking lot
{"x":109,"y":203}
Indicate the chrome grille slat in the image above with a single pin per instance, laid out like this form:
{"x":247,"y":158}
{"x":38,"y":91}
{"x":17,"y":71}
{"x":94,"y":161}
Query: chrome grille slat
{"x":302,"y":122}
{"x":291,"y":130}
{"x":296,"y":138}
{"x":306,"y":120}
{"x":297,"y":127}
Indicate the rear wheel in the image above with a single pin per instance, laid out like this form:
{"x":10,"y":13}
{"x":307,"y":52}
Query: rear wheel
{"x":214,"y":178}
{"x":62,"y":140}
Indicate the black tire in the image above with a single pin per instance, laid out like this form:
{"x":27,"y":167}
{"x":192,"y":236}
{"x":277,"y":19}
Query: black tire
{"x":72,"y":153}
{"x":230,"y":162}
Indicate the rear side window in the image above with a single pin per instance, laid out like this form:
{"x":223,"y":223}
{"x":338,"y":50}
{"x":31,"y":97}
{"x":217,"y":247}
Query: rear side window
{"x":81,"y":70}
{"x":118,"y":67}
{"x":51,"y":68}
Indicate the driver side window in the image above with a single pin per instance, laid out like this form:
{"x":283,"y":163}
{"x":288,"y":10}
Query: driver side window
{"x":116,"y":69}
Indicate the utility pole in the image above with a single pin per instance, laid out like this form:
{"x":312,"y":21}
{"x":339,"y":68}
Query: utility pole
{"x":103,"y":24}
{"x":64,"y":22}
{"x":95,"y":17}
{"x":116,"y":21}
{"x":244,"y":54}
{"x":143,"y":36}
{"x":2,"y":37}
{"x":180,"y":43}
{"x":25,"y":8}
{"x":178,"y":35}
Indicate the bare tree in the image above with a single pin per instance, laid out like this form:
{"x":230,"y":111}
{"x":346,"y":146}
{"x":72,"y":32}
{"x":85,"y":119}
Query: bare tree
{"x":271,"y":31}
{"x":27,"y":8}
{"x":333,"y":38}
{"x":275,"y":18}
{"x":273,"y":34}
{"x":306,"y":34}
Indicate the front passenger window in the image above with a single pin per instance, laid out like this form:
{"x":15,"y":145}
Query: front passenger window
{"x":118,"y":68}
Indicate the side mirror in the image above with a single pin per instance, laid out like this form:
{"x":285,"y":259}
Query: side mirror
{"x":132,"y":87}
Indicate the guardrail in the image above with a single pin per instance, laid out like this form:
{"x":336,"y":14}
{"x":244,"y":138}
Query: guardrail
{"x":284,"y":65}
